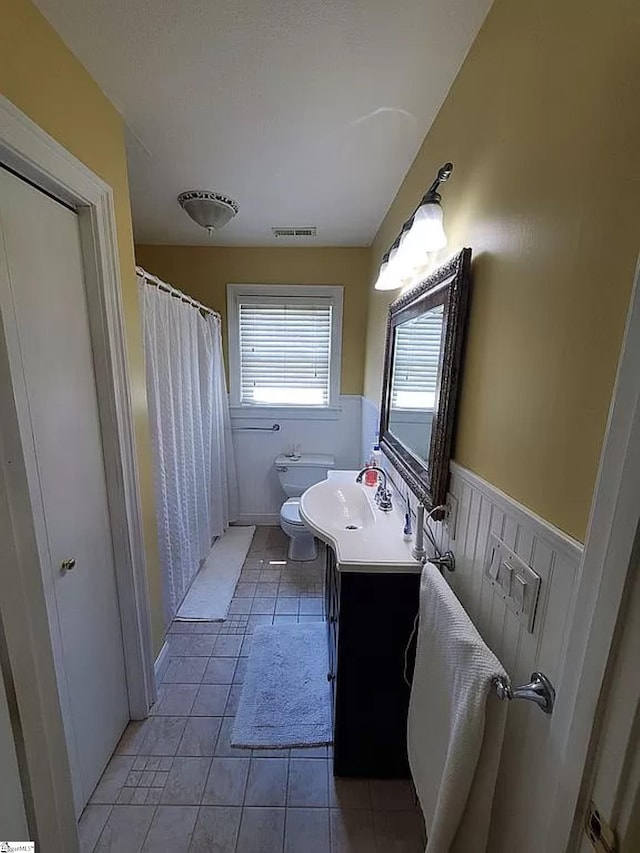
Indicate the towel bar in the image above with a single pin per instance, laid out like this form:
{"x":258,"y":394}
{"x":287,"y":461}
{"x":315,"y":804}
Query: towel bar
{"x":274,"y":428}
{"x":539,"y":690}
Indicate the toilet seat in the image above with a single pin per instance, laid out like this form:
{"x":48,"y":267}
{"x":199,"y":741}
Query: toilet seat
{"x":290,"y":512}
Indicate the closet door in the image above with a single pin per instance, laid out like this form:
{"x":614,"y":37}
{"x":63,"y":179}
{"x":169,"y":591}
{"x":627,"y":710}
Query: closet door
{"x":44,"y":313}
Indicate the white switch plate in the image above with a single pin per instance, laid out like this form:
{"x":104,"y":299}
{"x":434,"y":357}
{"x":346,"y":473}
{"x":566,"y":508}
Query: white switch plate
{"x":497,"y":554}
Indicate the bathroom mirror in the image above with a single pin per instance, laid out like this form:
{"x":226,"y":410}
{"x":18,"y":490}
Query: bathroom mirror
{"x":425,"y":331}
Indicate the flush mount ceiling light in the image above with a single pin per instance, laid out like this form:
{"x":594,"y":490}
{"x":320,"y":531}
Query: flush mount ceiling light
{"x":421,"y":234}
{"x":210,"y":210}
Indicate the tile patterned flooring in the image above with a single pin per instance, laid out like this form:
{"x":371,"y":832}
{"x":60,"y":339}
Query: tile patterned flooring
{"x":176,"y":784}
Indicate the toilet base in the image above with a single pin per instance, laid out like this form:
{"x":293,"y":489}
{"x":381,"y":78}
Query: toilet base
{"x":302,"y":548}
{"x":302,"y":543}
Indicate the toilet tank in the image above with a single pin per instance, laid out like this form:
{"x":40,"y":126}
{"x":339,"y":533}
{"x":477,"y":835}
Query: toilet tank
{"x":296,"y":475}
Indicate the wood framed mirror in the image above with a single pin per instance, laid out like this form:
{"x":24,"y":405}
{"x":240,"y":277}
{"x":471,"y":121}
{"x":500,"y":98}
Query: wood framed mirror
{"x":423,"y":353}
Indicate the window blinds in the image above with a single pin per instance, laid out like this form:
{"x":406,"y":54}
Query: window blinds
{"x":416,"y":361}
{"x":285,"y":352}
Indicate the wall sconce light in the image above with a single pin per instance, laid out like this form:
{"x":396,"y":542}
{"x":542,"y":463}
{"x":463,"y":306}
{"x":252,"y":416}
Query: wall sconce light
{"x":422,"y":233}
{"x":387,"y":279}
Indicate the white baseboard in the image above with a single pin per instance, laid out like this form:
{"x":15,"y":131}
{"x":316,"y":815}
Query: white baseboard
{"x":270,"y":519}
{"x":162,"y":663}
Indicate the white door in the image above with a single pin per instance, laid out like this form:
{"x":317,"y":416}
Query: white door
{"x":613,"y":768}
{"x":44,"y":311}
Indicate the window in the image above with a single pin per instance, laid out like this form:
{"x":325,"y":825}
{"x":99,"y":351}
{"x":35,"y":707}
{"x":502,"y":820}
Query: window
{"x":416,"y":361}
{"x":284,"y":346}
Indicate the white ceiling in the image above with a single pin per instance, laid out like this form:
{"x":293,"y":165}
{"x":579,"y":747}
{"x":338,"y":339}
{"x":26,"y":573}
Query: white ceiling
{"x":308,"y":112}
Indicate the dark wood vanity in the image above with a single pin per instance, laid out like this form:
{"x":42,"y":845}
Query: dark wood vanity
{"x":372,"y":597}
{"x":370,"y":617}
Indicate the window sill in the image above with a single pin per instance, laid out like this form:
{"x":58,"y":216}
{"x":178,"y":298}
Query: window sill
{"x":285,"y":413}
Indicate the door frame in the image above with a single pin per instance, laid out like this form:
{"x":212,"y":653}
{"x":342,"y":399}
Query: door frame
{"x":598,"y":606}
{"x":27,"y":654}
{"x":612,"y":778}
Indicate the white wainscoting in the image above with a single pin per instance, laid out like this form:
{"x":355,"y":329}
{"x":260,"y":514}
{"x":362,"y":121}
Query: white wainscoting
{"x":522,"y":807}
{"x":260,"y":493}
{"x":532,"y":746}
{"x":370,"y":426}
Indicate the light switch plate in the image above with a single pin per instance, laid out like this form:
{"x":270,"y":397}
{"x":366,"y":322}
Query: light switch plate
{"x":525,"y":583}
{"x":505,"y":576}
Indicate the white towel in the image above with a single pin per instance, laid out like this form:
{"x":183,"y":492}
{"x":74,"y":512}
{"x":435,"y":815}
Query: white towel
{"x":456,"y":722}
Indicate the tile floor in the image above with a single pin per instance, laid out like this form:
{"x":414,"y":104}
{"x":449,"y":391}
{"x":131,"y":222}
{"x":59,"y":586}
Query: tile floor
{"x":176,"y":784}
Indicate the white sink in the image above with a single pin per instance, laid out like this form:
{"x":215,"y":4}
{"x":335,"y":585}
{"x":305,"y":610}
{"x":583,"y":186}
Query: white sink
{"x":344,"y":514}
{"x":338,"y":506}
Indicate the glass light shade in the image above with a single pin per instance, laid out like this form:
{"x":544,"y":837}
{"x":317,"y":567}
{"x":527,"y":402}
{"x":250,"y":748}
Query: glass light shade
{"x":209,"y":209}
{"x":406,"y":260}
{"x":425,"y":235}
{"x":388,"y":278}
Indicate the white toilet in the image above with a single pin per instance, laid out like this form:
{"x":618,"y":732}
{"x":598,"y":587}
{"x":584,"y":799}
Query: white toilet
{"x":296,"y":475}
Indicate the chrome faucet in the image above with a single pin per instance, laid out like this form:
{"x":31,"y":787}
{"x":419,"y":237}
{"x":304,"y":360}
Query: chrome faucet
{"x":383,"y":495}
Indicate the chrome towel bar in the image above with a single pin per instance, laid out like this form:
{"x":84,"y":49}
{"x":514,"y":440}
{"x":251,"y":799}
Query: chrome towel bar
{"x":538,"y":690}
{"x":272,"y":428}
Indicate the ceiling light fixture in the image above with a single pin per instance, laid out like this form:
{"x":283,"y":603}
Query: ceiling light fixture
{"x":422,"y":233}
{"x":209,"y":209}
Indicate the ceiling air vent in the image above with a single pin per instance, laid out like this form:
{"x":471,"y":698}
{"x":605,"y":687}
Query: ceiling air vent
{"x":295,"y":232}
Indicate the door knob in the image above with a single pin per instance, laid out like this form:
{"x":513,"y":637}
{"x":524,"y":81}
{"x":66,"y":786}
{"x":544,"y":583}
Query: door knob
{"x":67,"y":565}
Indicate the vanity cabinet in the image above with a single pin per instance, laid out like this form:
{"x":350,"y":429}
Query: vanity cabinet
{"x":370,"y":617}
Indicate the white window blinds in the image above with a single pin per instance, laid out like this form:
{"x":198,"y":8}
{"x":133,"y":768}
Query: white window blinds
{"x":285,"y":351}
{"x":416,"y":361}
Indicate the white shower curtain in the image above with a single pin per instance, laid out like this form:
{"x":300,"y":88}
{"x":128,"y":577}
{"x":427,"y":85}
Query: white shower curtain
{"x":194,"y":467}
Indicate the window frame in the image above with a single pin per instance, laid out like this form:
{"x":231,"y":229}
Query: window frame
{"x":333,"y":294}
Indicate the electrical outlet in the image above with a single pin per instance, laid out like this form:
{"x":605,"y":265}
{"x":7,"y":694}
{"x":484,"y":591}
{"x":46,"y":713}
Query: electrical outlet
{"x":451,"y":520}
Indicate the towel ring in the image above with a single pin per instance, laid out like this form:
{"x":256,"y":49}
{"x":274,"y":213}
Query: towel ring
{"x":538,"y":690}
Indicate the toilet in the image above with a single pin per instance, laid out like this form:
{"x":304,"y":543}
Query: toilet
{"x":296,"y":475}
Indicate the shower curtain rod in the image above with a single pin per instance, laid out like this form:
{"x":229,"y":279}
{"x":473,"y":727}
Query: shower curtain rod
{"x":162,"y":285}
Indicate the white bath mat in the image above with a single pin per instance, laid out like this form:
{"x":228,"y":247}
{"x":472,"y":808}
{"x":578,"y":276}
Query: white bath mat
{"x":213,"y":587}
{"x":286,"y":698}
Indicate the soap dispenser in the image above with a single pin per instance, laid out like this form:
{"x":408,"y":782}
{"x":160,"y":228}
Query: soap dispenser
{"x":375,"y":461}
{"x":370,"y":476}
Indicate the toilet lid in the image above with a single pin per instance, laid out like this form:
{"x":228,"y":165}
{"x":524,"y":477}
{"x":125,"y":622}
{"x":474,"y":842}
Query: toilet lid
{"x":291,"y":512}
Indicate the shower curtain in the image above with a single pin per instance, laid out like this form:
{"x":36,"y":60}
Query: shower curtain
{"x":194,"y":467}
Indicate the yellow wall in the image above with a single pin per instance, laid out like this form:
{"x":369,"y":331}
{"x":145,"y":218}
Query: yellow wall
{"x":44,"y":80}
{"x":204,"y":272}
{"x":543,"y":127}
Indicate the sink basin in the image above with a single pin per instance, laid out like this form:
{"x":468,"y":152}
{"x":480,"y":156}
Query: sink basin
{"x":344,"y":514}
{"x":339,"y":506}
